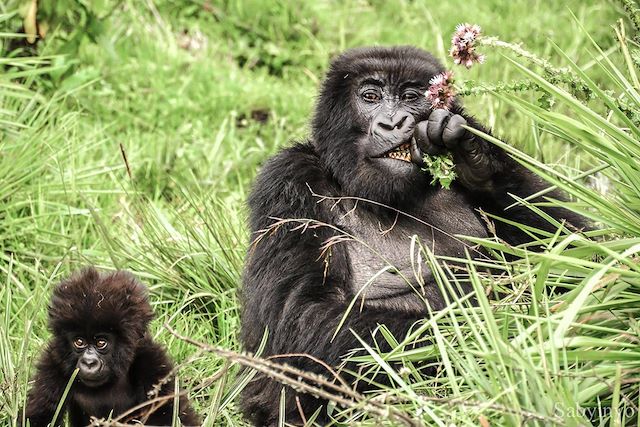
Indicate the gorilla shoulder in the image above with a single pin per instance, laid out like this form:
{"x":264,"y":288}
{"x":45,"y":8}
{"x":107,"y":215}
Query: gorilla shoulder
{"x":285,"y":183}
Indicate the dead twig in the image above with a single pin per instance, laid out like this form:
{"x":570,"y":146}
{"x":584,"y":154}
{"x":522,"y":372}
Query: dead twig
{"x":305,"y":382}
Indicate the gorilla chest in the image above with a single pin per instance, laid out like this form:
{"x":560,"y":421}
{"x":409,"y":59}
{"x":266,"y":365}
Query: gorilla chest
{"x":101,"y":403}
{"x":386,"y":255}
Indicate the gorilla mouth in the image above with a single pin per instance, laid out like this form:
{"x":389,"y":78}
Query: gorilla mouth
{"x":95,"y":381}
{"x":402,"y":152}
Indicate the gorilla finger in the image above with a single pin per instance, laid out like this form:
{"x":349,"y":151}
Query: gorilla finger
{"x":423,"y":142}
{"x":470,"y":143}
{"x":454,"y":134}
{"x":420,"y":135}
{"x":435,"y":150}
{"x":436,"y":123}
{"x":480,"y":162}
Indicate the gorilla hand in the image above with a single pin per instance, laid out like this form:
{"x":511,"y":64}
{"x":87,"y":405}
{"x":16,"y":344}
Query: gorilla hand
{"x":443,"y":132}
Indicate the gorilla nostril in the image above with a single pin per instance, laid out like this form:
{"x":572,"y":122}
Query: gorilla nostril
{"x":390,"y":124}
{"x":385,"y":125}
{"x":401,"y":122}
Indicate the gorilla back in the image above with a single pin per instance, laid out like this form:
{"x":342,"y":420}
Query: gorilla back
{"x":346,"y":187}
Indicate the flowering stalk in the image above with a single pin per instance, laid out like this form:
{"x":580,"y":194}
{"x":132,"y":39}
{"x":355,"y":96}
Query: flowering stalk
{"x":633,"y":13}
{"x":441,"y":91}
{"x":441,"y":94}
{"x":468,"y":37}
{"x":520,"y":51}
{"x":471,"y":88}
{"x":463,"y":50}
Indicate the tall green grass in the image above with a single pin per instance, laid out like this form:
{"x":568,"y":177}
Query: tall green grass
{"x":175,"y":212}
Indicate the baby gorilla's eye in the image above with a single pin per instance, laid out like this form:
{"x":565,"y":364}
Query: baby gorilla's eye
{"x":101,"y":344}
{"x":79,"y":343}
{"x":371,"y":96}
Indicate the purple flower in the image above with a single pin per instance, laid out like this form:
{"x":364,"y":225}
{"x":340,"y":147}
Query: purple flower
{"x":462,"y":45}
{"x":441,"y":91}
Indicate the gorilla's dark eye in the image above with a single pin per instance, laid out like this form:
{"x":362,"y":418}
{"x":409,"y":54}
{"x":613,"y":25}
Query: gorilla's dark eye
{"x":371,"y":96}
{"x":101,"y":344}
{"x":410,"y":95}
{"x":79,"y":343}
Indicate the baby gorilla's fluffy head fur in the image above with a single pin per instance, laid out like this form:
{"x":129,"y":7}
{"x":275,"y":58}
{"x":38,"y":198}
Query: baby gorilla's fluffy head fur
{"x":89,"y":303}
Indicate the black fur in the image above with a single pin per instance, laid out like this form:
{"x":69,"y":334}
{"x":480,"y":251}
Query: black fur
{"x":113,"y":305}
{"x":296,"y":288}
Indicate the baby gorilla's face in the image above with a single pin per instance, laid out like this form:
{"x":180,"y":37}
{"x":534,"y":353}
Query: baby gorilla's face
{"x":93,"y":354}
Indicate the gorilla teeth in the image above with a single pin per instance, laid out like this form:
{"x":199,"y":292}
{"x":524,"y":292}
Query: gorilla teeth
{"x":400,"y":153}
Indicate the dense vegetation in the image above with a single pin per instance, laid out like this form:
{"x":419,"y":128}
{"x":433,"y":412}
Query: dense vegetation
{"x":130,"y":135}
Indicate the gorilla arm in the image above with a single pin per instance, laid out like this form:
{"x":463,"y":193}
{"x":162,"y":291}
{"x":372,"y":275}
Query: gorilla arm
{"x":45,"y":395}
{"x":489,"y":173}
{"x":150,"y":367}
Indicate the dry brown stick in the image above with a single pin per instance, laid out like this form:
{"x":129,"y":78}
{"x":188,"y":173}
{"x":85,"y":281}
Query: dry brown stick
{"x":315,"y":359}
{"x":316,"y":386}
{"x":126,"y":161}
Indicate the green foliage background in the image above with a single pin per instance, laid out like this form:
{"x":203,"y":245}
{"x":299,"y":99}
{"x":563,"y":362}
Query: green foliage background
{"x":197,"y":95}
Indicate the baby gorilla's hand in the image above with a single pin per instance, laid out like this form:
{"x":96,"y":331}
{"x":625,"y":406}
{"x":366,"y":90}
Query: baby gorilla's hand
{"x":442,"y":132}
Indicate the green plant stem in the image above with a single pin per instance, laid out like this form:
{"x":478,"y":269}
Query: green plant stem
{"x":520,"y":51}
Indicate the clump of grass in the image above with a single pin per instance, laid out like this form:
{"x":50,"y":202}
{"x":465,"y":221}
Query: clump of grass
{"x":522,"y":356}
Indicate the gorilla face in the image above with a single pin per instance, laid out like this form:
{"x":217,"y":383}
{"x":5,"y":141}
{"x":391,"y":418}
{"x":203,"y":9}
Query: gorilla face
{"x":390,"y":110}
{"x":368,"y":107}
{"x":93,"y":355}
{"x":93,"y":359}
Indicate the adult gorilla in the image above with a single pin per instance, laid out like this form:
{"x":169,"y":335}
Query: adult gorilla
{"x":371,"y":124}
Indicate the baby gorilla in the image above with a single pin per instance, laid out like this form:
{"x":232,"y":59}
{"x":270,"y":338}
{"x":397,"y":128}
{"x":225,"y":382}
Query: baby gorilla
{"x":100,"y":327}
